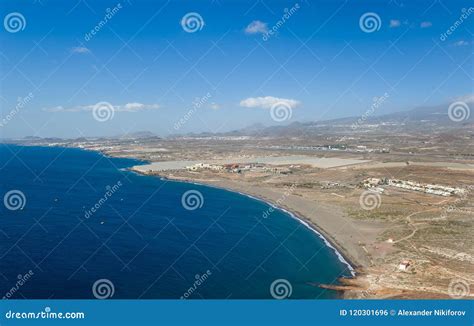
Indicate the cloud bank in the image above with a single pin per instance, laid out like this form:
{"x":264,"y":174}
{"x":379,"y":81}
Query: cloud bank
{"x":267,"y":102}
{"x":129,"y":107}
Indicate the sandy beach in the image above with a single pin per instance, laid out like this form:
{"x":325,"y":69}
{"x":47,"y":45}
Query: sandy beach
{"x":325,"y":195}
{"x":346,"y":236}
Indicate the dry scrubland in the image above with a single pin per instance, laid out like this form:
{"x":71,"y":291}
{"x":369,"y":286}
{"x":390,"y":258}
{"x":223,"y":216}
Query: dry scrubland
{"x":433,"y":233}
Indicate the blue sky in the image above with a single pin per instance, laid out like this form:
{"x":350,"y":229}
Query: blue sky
{"x":319,"y":62}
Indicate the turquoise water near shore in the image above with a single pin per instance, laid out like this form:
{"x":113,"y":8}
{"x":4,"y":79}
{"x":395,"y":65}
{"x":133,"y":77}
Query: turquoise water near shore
{"x":84,"y":218}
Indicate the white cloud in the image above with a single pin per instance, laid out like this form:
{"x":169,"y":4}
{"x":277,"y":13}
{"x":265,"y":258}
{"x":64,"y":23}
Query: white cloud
{"x":134,"y":107}
{"x":215,"y":106}
{"x":80,"y":50}
{"x":394,"y":23}
{"x":426,"y":24}
{"x":256,"y":27}
{"x":129,"y":107}
{"x":267,"y":102}
{"x":461,"y":43}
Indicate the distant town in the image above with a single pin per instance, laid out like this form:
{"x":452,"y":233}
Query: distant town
{"x":395,"y":199}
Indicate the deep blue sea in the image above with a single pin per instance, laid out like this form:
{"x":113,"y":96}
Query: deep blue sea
{"x":141,"y":239}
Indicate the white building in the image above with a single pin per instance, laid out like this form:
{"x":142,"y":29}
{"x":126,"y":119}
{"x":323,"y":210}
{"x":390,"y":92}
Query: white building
{"x":404,"y":265}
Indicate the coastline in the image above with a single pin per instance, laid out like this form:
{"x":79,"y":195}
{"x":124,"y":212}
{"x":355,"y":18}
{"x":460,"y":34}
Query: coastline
{"x":349,"y":286}
{"x":354,"y":259}
{"x":350,"y":255}
{"x":374,"y":243}
{"x":356,"y":242}
{"x":340,"y":252}
{"x":324,"y":222}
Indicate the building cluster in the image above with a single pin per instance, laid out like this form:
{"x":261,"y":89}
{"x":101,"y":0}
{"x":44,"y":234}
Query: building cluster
{"x":204,"y":166}
{"x":334,"y":148}
{"x":365,"y":149}
{"x":375,"y":183}
{"x":238,"y":168}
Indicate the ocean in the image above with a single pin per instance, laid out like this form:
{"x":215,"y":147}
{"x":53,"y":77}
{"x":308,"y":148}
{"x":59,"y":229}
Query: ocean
{"x":78,"y":224}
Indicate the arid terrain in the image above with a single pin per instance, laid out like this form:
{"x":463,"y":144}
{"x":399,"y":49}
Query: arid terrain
{"x":373,"y":192}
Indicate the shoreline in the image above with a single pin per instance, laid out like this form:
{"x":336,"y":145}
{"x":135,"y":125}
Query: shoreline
{"x":342,"y":253}
{"x":303,"y":220}
{"x":367,"y":241}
